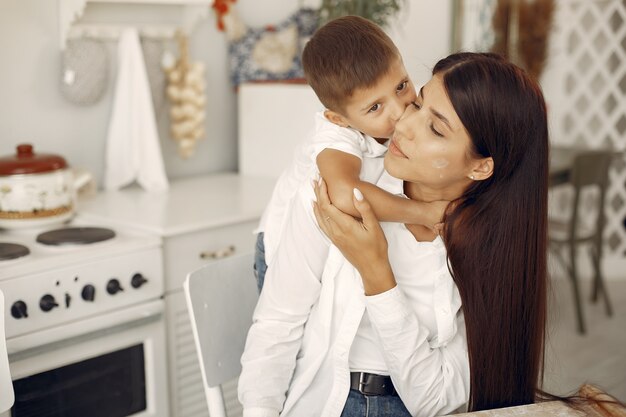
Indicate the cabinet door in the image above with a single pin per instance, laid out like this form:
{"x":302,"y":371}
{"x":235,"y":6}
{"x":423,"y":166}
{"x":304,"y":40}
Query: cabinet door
{"x":187,"y":397}
{"x":187,"y":252}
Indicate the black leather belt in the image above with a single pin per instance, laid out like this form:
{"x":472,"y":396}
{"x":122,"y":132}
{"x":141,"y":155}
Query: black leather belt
{"x":372,"y":384}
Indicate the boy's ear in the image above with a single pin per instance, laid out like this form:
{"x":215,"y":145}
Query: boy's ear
{"x":483,"y":169}
{"x":336,"y":118}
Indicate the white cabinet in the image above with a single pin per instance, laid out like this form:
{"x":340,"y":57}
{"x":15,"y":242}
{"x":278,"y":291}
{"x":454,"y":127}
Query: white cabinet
{"x":200,"y":220}
{"x":189,"y":251}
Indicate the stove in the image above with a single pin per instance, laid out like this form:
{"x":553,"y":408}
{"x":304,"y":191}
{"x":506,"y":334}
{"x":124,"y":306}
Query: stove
{"x":67,"y":273}
{"x":84,"y":322}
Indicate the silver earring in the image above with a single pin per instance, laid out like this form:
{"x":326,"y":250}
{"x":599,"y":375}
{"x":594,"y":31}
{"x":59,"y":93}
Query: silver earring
{"x":471,"y":177}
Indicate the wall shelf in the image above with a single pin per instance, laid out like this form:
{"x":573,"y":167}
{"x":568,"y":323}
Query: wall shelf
{"x":70,"y":11}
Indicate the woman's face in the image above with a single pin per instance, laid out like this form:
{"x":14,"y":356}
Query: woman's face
{"x":430,"y":145}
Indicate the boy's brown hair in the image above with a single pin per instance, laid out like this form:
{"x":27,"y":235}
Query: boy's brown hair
{"x":344,"y":55}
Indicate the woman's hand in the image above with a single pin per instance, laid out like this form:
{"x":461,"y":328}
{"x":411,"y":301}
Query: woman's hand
{"x":363,"y":243}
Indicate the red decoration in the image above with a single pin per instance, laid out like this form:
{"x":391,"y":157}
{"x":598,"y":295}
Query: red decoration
{"x":221,"y":8}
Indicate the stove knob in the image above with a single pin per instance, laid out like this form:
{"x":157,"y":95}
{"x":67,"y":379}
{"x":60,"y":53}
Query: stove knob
{"x":19,"y":310}
{"x":137,"y":280}
{"x":113,"y":286}
{"x":47,"y":303}
{"x":88,"y":293}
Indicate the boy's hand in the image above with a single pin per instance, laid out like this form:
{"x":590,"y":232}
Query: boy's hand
{"x":433,"y":214}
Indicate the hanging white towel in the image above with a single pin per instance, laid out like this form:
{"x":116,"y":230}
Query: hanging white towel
{"x":133,"y":149}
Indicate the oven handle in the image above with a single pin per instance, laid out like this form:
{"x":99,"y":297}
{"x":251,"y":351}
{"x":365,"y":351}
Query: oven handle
{"x":99,"y":322}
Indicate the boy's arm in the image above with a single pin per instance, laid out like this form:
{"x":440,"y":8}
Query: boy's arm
{"x":341,"y":171}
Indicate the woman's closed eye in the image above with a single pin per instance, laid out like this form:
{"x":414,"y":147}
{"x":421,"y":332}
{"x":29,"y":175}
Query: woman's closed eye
{"x":418,"y":106}
{"x":432,"y":127}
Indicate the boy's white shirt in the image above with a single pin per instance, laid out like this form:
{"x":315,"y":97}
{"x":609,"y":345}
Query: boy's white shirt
{"x":303,"y":169}
{"x":296,"y":360}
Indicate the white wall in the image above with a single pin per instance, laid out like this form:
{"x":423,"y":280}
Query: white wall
{"x":32,"y":108}
{"x":423,"y":33}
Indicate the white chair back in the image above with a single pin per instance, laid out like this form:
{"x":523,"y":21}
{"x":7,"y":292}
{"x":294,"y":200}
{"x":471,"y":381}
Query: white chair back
{"x":221,"y":298}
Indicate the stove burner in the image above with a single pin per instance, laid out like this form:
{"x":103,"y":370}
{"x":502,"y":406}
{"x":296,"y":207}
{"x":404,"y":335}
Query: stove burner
{"x":75,"y":236}
{"x":12,"y":251}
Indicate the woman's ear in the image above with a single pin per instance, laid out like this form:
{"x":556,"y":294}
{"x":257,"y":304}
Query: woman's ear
{"x":483,"y":169}
{"x":336,"y":118}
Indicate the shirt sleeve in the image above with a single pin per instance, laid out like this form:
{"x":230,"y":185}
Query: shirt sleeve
{"x":340,"y":139}
{"x":292,"y":285}
{"x":430,"y":380}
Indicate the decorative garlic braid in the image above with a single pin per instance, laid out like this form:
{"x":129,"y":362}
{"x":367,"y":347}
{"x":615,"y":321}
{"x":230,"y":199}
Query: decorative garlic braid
{"x":186,"y":92}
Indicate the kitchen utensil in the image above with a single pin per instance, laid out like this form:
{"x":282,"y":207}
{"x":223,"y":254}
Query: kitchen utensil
{"x":85,"y":71}
{"x":37,"y":189}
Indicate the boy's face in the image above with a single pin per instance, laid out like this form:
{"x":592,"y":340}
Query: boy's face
{"x":374,"y":111}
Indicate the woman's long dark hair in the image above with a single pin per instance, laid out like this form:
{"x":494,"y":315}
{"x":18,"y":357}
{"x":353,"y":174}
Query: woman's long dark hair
{"x":496,"y":234}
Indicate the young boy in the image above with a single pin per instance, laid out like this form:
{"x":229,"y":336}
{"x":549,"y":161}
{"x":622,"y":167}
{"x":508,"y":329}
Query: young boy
{"x":357,"y":73}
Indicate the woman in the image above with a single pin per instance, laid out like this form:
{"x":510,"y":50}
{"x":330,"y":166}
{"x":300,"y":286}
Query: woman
{"x":477,"y":136}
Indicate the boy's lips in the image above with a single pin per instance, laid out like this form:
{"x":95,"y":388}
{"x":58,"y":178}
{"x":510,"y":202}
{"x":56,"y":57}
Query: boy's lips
{"x":395,"y":149}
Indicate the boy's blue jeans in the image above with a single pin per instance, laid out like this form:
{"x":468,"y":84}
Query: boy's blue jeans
{"x":260,"y":267}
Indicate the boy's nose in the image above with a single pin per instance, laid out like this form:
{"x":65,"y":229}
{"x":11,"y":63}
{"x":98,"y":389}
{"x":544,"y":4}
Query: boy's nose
{"x":398,"y":110}
{"x":402,"y":126}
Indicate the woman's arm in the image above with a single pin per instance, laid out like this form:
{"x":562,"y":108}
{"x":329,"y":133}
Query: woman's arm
{"x":431,"y":378}
{"x":292,"y":286}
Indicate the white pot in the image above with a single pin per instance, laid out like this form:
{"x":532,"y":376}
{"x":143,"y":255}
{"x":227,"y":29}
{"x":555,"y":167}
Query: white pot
{"x":37,"y":189}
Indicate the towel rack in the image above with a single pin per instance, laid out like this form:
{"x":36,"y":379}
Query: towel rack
{"x":112,"y":32}
{"x":71,"y":10}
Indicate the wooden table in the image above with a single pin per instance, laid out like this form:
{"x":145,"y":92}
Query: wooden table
{"x":559,"y":409}
{"x":547,"y":409}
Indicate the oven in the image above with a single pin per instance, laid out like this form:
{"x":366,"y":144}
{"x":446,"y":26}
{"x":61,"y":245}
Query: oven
{"x":85,"y":327}
{"x":116,"y":370}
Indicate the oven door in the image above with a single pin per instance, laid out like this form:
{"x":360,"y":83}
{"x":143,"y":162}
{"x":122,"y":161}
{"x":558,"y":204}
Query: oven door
{"x":117,"y":370}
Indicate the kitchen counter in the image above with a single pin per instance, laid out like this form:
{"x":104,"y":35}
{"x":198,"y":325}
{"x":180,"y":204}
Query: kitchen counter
{"x":547,"y":409}
{"x":190,"y":204}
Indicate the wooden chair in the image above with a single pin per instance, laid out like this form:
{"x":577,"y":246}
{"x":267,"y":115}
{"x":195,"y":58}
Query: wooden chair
{"x":221,"y":298}
{"x":590,"y":169}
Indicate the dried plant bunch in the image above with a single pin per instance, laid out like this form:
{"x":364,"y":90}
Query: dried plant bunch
{"x":500,"y":24}
{"x":524,"y":25}
{"x":536,"y":20}
{"x":378,"y":11}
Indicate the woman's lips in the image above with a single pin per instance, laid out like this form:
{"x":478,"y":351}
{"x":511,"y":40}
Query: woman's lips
{"x":395,"y":150}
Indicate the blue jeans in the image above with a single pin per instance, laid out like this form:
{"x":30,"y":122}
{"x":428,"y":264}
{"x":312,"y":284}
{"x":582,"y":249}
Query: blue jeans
{"x":359,"y":405}
{"x":260,"y":267}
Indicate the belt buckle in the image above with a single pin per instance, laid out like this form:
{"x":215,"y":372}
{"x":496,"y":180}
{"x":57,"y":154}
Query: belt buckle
{"x":362,"y":383}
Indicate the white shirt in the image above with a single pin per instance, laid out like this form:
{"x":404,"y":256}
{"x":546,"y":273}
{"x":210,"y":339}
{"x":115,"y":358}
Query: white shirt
{"x":303,"y":370}
{"x":303,"y":169}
